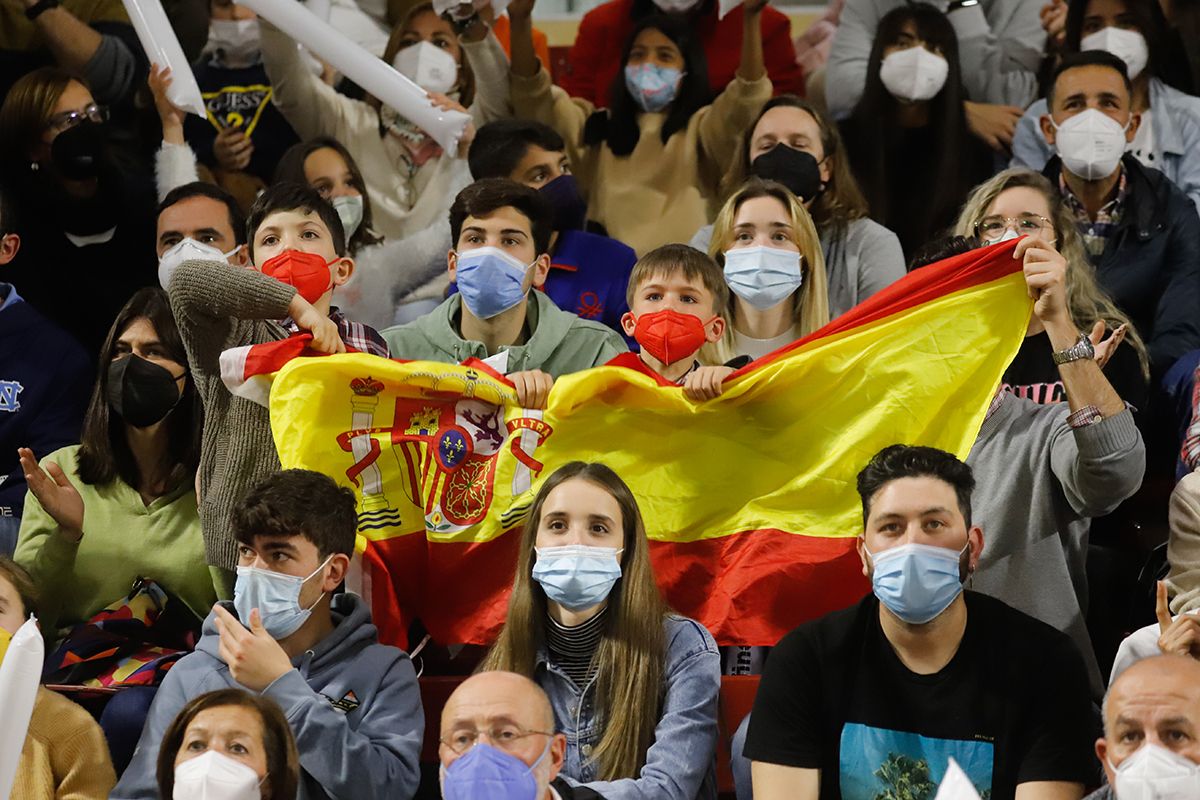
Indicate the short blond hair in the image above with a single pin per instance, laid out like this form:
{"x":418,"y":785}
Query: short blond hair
{"x":670,"y":259}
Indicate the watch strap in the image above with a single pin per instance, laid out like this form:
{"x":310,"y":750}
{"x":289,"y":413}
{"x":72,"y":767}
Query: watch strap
{"x":1077,"y":352}
{"x":36,"y":10}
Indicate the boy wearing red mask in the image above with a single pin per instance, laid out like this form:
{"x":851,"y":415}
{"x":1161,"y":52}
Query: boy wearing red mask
{"x":675,"y":293}
{"x":298,"y":249}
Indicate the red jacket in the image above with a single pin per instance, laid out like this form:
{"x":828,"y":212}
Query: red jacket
{"x":595,"y":58}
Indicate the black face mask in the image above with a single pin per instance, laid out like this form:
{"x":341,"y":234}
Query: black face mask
{"x":79,"y":152}
{"x":795,"y":169}
{"x":140,"y":391}
{"x":570,"y":209}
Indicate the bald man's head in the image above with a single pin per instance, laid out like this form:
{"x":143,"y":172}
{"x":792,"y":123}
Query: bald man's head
{"x":509,"y":712}
{"x":1156,"y":701}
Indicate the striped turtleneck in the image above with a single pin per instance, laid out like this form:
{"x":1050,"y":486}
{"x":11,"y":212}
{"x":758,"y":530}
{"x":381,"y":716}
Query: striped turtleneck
{"x":574,"y":648}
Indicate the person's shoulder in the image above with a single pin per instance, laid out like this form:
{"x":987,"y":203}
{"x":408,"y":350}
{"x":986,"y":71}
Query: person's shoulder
{"x":687,"y":636}
{"x":831,"y":633}
{"x":65,"y":457}
{"x":595,"y":246}
{"x":611,"y":13}
{"x":57,"y":719}
{"x":1014,"y":631}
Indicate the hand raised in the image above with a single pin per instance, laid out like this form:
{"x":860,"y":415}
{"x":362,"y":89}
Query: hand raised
{"x":54,"y":490}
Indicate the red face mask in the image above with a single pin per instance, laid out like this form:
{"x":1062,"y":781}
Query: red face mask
{"x":308,"y":272}
{"x":670,"y":336}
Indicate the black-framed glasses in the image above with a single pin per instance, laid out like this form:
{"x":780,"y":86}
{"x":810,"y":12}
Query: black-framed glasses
{"x":993,"y":227}
{"x":69,"y":119}
{"x":505,"y":737}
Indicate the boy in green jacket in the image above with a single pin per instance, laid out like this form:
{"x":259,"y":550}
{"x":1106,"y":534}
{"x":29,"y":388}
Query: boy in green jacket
{"x":501,"y":231}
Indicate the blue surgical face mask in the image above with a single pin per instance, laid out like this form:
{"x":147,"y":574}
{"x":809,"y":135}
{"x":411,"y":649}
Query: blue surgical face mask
{"x":490,"y":281}
{"x":276,"y":596}
{"x":652,"y":87}
{"x":488,"y":772}
{"x":917,"y":581}
{"x":577,"y":576}
{"x":763,"y":276}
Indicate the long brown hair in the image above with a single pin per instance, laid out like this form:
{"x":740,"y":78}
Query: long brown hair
{"x":632,"y":651}
{"x":104,"y":453}
{"x":841,"y":201}
{"x":1087,"y":301}
{"x":810,"y":303}
{"x":283,"y":762}
{"x":26,"y":113}
{"x":290,"y":169}
{"x":466,"y":77}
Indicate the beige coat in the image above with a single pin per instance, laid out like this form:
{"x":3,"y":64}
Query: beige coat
{"x":659,"y":193}
{"x":1183,"y":546}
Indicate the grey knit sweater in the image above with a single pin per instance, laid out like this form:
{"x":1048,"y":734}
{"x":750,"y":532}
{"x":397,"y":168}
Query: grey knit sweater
{"x":1038,"y":483}
{"x":218,"y":307}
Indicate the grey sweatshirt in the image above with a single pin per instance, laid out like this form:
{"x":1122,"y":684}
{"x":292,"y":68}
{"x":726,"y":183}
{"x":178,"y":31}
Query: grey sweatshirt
{"x":365,"y":747}
{"x":998,"y":54}
{"x":1038,"y":484}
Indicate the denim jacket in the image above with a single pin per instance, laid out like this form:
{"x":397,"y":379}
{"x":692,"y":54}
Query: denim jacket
{"x":1176,"y":138}
{"x":680,"y":764}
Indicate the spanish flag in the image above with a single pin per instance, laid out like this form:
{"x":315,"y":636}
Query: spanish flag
{"x":749,"y":500}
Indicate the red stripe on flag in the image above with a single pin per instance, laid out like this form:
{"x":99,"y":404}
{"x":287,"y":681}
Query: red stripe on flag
{"x":748,"y":588}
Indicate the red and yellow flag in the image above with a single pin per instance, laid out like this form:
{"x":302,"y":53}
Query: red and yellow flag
{"x":749,"y":500}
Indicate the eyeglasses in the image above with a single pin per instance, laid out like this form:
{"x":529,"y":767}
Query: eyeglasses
{"x":69,"y":119}
{"x":506,"y":737}
{"x":993,"y":228}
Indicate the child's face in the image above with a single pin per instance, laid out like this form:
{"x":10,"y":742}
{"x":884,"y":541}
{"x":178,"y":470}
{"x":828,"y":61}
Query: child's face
{"x":297,"y":230}
{"x":12,"y":610}
{"x":682,"y":295}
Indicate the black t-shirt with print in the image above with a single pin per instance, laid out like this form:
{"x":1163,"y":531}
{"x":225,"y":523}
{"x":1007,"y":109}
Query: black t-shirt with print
{"x":1011,"y":707}
{"x":1033,"y":374}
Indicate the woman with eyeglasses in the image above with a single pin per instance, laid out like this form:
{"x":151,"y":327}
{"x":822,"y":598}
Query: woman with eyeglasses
{"x":84,"y":216}
{"x":633,"y":685}
{"x":1020,"y":202}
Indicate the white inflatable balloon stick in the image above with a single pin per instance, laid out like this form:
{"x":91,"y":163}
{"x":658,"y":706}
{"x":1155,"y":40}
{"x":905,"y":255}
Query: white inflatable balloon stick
{"x":162,"y":48}
{"x":20,"y":674}
{"x":371,"y":73}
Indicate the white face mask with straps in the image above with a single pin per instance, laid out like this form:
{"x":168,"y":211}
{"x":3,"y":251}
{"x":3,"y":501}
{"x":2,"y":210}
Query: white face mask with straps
{"x":914,"y":74}
{"x":1156,"y":773}
{"x":215,"y":776}
{"x":1090,"y":143}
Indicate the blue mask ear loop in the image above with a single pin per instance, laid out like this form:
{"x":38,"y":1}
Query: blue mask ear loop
{"x":324,"y":564}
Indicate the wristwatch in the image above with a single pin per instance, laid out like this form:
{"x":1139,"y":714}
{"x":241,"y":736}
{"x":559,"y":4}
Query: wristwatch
{"x":35,"y":10}
{"x":1076,"y":352}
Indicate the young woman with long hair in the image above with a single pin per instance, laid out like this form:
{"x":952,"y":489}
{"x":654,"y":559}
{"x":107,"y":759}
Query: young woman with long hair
{"x":633,"y":686}
{"x":908,"y":140}
{"x":796,"y":144}
{"x":650,"y":164}
{"x":122,"y":504}
{"x":1021,"y":202}
{"x":768,"y":246}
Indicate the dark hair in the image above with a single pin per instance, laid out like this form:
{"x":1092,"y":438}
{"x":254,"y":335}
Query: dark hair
{"x":1088,"y":58}
{"x":104,"y":453}
{"x":692,"y":263}
{"x":290,"y":169}
{"x":940,"y":249}
{"x":842,"y":200}
{"x":299,"y":502}
{"x":25,"y":113}
{"x":873,"y":121}
{"x":499,"y":146}
{"x":8,"y":212}
{"x":295,"y":197}
{"x":212,"y":192}
{"x":618,"y":126}
{"x":913,"y":461}
{"x":486,"y":196}
{"x":283,"y":762}
{"x":22,"y":581}
{"x":1165,"y":62}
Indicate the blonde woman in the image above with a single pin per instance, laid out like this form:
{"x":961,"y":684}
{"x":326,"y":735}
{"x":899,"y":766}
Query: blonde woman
{"x":633,"y":686}
{"x":766,"y":242}
{"x":1020,"y":202}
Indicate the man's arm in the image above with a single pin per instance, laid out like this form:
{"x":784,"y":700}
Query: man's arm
{"x":777,"y":782}
{"x":999,"y":52}
{"x":1049,"y":790}
{"x":846,"y":70}
{"x":82,"y":50}
{"x":1176,"y":323}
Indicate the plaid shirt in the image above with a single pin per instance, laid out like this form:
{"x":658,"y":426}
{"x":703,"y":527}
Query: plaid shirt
{"x":1095,"y":233}
{"x":1190,"y":455}
{"x":355,"y":335}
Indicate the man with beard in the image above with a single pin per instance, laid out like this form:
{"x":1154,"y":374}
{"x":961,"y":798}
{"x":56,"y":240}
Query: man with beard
{"x":83,"y":219}
{"x":883,"y":694}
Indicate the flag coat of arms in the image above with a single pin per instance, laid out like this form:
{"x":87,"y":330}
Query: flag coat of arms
{"x":749,"y":500}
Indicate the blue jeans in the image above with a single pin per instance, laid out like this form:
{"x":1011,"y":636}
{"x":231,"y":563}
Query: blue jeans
{"x":122,"y":721}
{"x":739,"y":764}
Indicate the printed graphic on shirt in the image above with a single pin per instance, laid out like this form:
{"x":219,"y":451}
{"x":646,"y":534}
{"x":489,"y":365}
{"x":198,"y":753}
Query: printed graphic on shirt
{"x":881,"y":764}
{"x":237,"y":106}
{"x":1041,"y":393}
{"x":8,"y":396}
{"x":589,"y":306}
{"x":348,"y":703}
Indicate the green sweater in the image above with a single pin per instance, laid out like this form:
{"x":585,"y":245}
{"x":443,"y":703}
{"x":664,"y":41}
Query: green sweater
{"x":123,"y":539}
{"x":559,"y":342}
